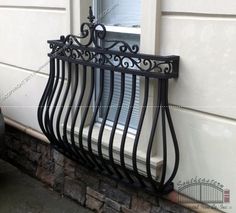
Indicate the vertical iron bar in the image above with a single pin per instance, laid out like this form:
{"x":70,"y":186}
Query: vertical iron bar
{"x":52,"y":88}
{"x":42,"y":103}
{"x":172,"y":131}
{"x":122,"y":147}
{"x":61,"y":139}
{"x":74,"y":118}
{"x":64,"y":134}
{"x":163,"y":175}
{"x":109,"y":101}
{"x":111,"y":140}
{"x":58,"y":95}
{"x":93,"y":120}
{"x":68,"y":113}
{"x":55,"y":101}
{"x":85,"y":116}
{"x":60,"y":107}
{"x":152,"y":134}
{"x":139,"y":128}
{"x":66,"y":118}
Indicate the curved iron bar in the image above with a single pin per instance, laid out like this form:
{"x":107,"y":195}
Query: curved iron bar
{"x":174,"y":138}
{"x":91,"y":156}
{"x":93,"y":119}
{"x":43,"y":101}
{"x":50,"y":97}
{"x":100,"y":136}
{"x":139,"y":128}
{"x":56,"y":99}
{"x":62,"y":138}
{"x":49,"y":119}
{"x":79,"y":150}
{"x":163,"y":98}
{"x":125,"y":131}
{"x":69,"y":108}
{"x":151,"y":138}
{"x":60,"y":141}
{"x":115,"y":122}
{"x":90,"y":52}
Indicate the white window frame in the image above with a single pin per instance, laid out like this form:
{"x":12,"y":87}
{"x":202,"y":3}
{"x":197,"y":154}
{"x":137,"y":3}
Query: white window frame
{"x":150,"y":44}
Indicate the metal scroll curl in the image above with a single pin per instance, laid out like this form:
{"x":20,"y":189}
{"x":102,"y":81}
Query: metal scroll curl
{"x":94,"y":34}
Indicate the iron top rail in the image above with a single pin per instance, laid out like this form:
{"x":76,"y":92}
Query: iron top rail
{"x":163,"y":67}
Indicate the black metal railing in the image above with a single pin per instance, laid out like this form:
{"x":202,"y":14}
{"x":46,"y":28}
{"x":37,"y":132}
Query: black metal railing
{"x":69,"y":107}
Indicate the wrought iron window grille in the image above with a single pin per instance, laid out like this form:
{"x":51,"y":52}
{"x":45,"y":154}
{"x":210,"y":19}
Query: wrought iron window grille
{"x":74,"y":60}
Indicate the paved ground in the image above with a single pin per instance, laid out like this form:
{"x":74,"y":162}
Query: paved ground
{"x":20,"y":193}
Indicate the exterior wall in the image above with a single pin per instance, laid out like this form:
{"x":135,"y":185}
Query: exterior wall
{"x":24,"y":30}
{"x":203,"y":33}
{"x":86,"y":187}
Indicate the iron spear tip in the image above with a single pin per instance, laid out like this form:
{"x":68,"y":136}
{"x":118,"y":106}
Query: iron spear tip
{"x":91,"y":17}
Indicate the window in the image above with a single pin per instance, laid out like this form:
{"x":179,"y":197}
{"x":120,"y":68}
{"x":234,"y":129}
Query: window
{"x":147,"y":37}
{"x":119,"y":12}
{"x":122,"y":24}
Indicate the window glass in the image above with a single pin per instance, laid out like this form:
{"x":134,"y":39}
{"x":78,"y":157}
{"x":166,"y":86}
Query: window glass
{"x":119,"y":12}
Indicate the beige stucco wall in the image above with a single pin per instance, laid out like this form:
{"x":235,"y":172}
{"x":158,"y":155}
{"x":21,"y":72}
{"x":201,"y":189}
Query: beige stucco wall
{"x":203,"y":33}
{"x":25,"y":27}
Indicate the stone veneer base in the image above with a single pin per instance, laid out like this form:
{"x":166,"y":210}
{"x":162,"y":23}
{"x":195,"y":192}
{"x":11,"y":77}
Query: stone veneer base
{"x":63,"y":175}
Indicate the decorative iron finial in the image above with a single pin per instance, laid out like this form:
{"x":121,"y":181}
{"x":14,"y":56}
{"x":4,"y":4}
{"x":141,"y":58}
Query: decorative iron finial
{"x":91,"y":17}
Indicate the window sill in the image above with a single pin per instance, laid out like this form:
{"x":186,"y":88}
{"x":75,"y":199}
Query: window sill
{"x":119,"y":29}
{"x":156,"y":161}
